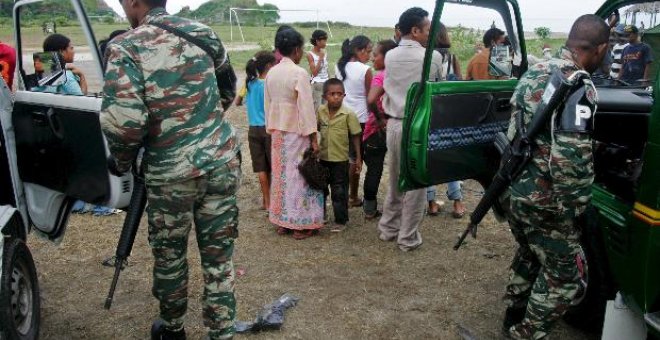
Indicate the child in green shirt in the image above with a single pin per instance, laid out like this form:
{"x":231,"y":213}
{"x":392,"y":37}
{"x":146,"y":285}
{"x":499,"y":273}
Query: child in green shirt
{"x":338,"y":126}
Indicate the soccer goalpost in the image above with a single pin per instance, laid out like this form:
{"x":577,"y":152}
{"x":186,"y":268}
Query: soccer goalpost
{"x":233,"y":17}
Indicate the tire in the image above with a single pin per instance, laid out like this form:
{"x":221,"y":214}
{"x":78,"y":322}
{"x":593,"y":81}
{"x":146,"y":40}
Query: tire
{"x":19,"y":291}
{"x":597,"y":286}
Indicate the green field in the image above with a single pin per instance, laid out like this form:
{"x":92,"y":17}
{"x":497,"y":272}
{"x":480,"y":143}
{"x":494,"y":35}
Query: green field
{"x":257,"y":38}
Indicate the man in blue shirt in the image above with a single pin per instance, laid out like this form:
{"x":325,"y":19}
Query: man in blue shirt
{"x":637,"y":57}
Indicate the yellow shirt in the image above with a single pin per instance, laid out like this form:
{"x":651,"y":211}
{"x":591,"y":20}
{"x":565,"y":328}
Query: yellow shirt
{"x":336,"y":132}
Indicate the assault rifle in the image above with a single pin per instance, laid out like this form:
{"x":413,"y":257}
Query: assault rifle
{"x":517,"y":153}
{"x":130,"y":228}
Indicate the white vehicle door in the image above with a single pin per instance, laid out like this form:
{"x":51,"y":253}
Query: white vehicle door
{"x":59,"y":152}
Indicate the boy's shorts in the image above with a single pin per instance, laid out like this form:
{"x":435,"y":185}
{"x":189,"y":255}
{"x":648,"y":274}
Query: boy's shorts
{"x":259,"y":143}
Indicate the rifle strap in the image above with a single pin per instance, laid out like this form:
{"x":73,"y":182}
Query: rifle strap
{"x":520,"y":123}
{"x":193,"y":40}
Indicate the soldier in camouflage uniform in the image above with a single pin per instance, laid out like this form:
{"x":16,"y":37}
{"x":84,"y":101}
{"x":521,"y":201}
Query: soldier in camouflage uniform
{"x":550,"y":193}
{"x":161,"y":94}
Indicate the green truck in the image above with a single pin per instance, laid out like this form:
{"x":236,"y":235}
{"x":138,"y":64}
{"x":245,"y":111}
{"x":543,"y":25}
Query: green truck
{"x":449,"y":130}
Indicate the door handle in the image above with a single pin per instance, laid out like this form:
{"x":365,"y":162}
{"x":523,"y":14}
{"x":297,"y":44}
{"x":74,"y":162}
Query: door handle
{"x":55,"y":123}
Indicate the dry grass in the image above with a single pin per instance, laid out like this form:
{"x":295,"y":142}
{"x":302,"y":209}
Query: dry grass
{"x":352,"y":285}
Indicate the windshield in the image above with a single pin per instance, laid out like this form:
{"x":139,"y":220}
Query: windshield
{"x":634,"y":47}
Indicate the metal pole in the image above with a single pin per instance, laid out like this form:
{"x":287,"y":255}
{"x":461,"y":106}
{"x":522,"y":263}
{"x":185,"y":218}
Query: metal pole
{"x":238,"y":22}
{"x":317,"y":19}
{"x":231,"y":28}
{"x":327,"y":23}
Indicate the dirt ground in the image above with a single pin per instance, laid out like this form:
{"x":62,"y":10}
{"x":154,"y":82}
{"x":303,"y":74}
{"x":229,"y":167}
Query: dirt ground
{"x":351,"y":284}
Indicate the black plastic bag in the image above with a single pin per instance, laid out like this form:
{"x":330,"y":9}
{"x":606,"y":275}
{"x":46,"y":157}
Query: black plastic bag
{"x":270,"y":317}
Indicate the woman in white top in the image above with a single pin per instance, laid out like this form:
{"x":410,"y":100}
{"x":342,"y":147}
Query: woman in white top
{"x":353,"y":70}
{"x":318,"y":65}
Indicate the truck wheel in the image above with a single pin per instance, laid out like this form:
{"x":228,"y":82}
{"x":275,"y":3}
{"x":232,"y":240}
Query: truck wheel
{"x":596,"y":286}
{"x":19,"y":291}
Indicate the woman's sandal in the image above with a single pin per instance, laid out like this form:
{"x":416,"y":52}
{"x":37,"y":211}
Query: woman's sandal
{"x":303,"y":234}
{"x":372,"y":216}
{"x":355,"y":202}
{"x":437,"y":205}
{"x":459,"y":213}
{"x":283,"y":231}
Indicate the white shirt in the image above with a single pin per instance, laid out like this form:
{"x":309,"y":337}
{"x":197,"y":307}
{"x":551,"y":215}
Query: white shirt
{"x":322,"y":76}
{"x":356,"y":93}
{"x":617,"y":60}
{"x":404,"y":66}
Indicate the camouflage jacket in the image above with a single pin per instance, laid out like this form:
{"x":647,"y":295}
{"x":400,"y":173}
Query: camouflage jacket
{"x":561,"y":173}
{"x":160,"y":92}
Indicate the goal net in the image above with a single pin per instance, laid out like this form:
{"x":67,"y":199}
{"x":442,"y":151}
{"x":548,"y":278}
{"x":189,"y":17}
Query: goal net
{"x":235,"y":21}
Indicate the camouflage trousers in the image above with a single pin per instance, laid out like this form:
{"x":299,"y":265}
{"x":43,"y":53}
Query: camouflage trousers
{"x":210,"y":202}
{"x":544,"y":274}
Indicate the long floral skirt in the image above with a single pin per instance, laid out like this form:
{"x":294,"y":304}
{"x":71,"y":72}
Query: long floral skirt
{"x":293,"y":204}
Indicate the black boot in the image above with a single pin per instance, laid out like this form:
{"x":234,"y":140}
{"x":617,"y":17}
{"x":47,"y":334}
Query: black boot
{"x":512,"y":317}
{"x":159,"y":332}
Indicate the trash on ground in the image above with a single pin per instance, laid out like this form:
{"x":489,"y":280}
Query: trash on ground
{"x":270,"y":317}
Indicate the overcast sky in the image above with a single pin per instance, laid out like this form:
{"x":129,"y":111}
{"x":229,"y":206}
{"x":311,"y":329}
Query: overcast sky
{"x":556,"y":14}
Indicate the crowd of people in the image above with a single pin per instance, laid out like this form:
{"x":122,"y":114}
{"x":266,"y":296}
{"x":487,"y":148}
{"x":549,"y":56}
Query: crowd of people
{"x":354,"y":118}
{"x":351,"y":124}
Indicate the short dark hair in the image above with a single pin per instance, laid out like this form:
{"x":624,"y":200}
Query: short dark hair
{"x":318,"y":35}
{"x":56,"y":42}
{"x":492,"y":35}
{"x":155,"y":3}
{"x":288,"y":40}
{"x":412,"y":17}
{"x":386,"y":45}
{"x":332,"y":81}
{"x":588,"y":32}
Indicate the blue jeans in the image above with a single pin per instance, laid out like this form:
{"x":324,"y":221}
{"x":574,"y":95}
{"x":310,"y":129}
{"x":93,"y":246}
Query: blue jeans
{"x":81,"y":207}
{"x":453,"y":192}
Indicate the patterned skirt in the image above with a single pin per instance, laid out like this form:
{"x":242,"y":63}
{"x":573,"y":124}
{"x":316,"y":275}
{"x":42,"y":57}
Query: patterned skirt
{"x":293,"y":204}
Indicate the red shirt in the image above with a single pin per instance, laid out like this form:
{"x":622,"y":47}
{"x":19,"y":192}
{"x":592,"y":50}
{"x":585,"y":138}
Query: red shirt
{"x":7,"y":63}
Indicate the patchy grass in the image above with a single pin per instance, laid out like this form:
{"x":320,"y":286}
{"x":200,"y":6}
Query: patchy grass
{"x":351,"y":284}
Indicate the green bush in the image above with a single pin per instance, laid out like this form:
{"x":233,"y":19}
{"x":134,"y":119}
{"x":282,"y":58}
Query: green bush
{"x":542,"y":32}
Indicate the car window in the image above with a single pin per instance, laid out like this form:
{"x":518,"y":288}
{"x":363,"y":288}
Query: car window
{"x":53,"y":27}
{"x":633,"y":49}
{"x":480,"y":43}
{"x":105,"y":23}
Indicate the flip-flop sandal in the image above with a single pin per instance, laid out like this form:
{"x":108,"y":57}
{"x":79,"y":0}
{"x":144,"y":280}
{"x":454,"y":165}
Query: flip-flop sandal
{"x":355,"y":203}
{"x":375,"y":215}
{"x":302,"y":234}
{"x":439,"y":206}
{"x":283,"y":231}
{"x":458,"y":214}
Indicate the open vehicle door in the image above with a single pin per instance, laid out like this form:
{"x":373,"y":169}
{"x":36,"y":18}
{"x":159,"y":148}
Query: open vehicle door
{"x":58,"y":153}
{"x":450,"y":126}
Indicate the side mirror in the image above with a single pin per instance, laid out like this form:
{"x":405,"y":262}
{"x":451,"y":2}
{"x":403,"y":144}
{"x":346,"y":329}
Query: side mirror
{"x":50,"y":68}
{"x":501,"y":62}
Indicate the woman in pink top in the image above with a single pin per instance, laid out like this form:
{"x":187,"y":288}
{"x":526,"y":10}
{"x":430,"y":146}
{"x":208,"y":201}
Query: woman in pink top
{"x":291,"y":121}
{"x":374,"y":145}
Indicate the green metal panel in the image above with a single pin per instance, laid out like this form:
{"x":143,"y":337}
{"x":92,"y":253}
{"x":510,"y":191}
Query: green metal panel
{"x":414,"y":166}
